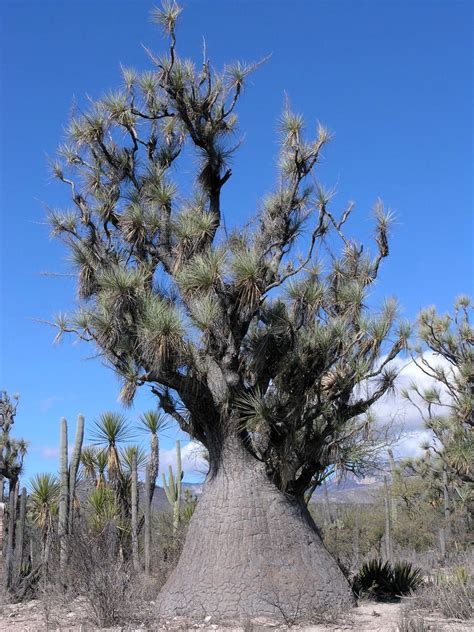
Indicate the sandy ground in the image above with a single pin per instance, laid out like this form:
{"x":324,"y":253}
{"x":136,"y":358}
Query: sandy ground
{"x":367,"y":617}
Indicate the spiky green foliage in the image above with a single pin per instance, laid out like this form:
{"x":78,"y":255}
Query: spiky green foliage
{"x":446,"y":355}
{"x":88,"y":462}
{"x":153,"y":422}
{"x":102,"y":509}
{"x":213,"y":322}
{"x":127,"y":454}
{"x":43,"y":500}
{"x":380,"y":579}
{"x":110,"y":430}
{"x":405,"y":579}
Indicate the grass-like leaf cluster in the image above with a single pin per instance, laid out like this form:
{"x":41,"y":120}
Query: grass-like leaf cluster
{"x":381,"y":580}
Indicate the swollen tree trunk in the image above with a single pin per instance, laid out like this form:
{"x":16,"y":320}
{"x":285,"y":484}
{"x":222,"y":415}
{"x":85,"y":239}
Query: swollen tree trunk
{"x":250,"y":550}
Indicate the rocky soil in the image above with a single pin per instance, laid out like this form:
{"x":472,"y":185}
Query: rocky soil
{"x":37,"y":616}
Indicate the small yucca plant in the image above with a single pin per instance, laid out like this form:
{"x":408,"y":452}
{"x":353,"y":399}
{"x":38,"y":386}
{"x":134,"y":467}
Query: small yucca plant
{"x":405,"y":578}
{"x":382,"y":580}
{"x":374,"y":578}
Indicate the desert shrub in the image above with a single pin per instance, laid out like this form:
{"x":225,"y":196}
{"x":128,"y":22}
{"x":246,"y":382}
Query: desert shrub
{"x":411,"y":622}
{"x":382,"y":580}
{"x":449,"y":593}
{"x":99,"y":574}
{"x":167,"y":544}
{"x":339,"y":534}
{"x":98,"y":587}
{"x":455,"y":600}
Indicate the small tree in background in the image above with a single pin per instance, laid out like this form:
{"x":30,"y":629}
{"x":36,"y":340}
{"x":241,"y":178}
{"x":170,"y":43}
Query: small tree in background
{"x":256,"y":342}
{"x":446,"y":406}
{"x":12,"y":451}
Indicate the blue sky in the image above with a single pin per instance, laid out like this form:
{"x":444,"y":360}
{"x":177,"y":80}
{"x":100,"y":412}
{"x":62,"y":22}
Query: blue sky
{"x":391,"y":79}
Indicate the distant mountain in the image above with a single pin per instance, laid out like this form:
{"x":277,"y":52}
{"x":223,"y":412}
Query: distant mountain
{"x":161,"y":502}
{"x":350,"y":490}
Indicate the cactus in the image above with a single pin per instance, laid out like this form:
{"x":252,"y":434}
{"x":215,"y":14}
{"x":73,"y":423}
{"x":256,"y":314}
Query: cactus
{"x":134,"y":476}
{"x":147,"y":520}
{"x":12,"y":493}
{"x":20,"y":536}
{"x":173,"y":488}
{"x":63,"y":495}
{"x":76,"y":457}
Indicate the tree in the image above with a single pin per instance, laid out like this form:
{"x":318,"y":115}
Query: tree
{"x":445,"y":354}
{"x":43,"y":501}
{"x":447,"y":405}
{"x":110,"y":430}
{"x":153,"y":422}
{"x":268,"y":357}
{"x":12,"y":451}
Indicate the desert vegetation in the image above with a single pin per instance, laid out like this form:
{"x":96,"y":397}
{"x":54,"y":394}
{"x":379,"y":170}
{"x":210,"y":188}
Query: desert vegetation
{"x":259,"y":343}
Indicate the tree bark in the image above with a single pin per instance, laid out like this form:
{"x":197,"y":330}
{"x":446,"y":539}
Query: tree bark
{"x":250,"y":550}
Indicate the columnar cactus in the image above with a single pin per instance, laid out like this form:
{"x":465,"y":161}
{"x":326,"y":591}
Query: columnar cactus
{"x":20,"y":536}
{"x":63,"y":495}
{"x":74,"y":467}
{"x":173,"y":488}
{"x":12,"y":497}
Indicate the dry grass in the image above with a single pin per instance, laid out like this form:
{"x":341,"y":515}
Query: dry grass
{"x":411,"y":622}
{"x":97,"y":576}
{"x":450,"y":594}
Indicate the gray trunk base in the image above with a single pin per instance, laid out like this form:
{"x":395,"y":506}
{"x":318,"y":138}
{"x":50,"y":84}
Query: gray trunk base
{"x":250,"y":551}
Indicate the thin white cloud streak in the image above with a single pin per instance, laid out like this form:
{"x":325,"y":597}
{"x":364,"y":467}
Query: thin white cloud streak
{"x":49,"y":402}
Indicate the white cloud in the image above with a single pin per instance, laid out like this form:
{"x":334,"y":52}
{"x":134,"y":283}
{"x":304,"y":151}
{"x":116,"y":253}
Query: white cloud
{"x":410,"y":444}
{"x":406,"y":418}
{"x":191,"y":459}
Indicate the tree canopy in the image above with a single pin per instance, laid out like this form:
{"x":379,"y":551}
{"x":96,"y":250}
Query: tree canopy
{"x":446,"y":355}
{"x":263,"y":332}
